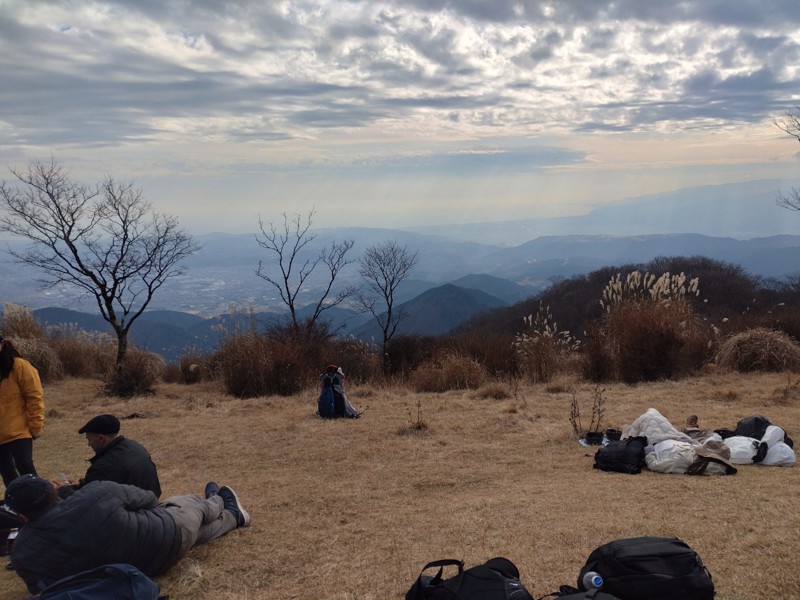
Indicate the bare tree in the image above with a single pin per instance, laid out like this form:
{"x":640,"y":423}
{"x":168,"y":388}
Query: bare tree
{"x":105,"y":240}
{"x":385,"y":266}
{"x":790,"y":123}
{"x":288,"y":244}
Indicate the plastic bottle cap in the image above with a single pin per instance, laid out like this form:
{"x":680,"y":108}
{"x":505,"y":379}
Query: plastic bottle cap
{"x":592,"y":580}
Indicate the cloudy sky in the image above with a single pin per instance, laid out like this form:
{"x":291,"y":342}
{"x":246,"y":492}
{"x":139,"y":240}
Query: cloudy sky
{"x":399,"y":113}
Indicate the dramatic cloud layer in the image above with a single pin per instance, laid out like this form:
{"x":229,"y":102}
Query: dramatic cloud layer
{"x":391,"y":113}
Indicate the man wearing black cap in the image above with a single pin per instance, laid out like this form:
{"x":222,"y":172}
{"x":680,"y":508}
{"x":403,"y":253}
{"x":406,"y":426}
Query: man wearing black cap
{"x":105,"y":522}
{"x":117,"y":458}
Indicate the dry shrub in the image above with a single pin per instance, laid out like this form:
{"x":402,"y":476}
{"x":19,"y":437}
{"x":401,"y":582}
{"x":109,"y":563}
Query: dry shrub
{"x":598,"y":356}
{"x":495,"y":390}
{"x":416,"y":425}
{"x":136,"y":376}
{"x":408,"y":352}
{"x":360,"y":361}
{"x":86,"y":354}
{"x":540,"y":358}
{"x":192,"y":367}
{"x":41,"y":356}
{"x":20,"y":326}
{"x":292,"y":362}
{"x":450,"y":371}
{"x":648,"y":341}
{"x":19,"y":323}
{"x":283,"y":359}
{"x":172,"y":374}
{"x":244,"y":362}
{"x":543,"y":349}
{"x":495,"y":351}
{"x":760,"y":349}
{"x":649,"y":330}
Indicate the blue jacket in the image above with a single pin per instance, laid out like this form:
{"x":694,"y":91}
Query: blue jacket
{"x":101,"y":523}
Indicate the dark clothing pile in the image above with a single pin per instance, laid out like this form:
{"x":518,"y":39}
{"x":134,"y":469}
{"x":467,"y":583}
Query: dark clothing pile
{"x":99,"y":524}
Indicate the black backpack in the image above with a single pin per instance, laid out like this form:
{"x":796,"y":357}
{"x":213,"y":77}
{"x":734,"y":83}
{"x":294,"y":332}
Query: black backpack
{"x":566,"y":592}
{"x":623,"y":456}
{"x":756,"y":427}
{"x":496,"y":579}
{"x":650,"y":568}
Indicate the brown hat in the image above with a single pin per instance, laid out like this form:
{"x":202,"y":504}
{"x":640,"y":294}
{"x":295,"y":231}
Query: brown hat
{"x":102,"y":424}
{"x":718,"y":452}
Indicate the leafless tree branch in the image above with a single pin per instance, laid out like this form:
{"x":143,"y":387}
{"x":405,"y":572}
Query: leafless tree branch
{"x":105,"y":240}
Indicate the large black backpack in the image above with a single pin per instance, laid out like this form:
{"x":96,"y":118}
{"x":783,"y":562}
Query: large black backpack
{"x":650,"y":568}
{"x":756,"y":427}
{"x":623,"y":456}
{"x":496,"y":579}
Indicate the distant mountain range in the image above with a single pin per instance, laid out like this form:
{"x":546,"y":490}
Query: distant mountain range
{"x":169,"y":333}
{"x":192,"y":310}
{"x":742,"y":210}
{"x":462,"y":270}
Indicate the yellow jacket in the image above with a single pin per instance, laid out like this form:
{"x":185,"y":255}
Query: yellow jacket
{"x":21,"y":402}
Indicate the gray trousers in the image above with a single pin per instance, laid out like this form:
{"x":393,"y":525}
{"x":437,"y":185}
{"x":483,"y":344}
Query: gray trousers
{"x":199,"y":519}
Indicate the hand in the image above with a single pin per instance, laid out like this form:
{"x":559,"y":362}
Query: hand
{"x":58,"y":483}
{"x":36,"y":433}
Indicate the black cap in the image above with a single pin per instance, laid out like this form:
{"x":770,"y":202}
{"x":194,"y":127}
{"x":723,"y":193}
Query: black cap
{"x":29,"y":495}
{"x":103,"y":424}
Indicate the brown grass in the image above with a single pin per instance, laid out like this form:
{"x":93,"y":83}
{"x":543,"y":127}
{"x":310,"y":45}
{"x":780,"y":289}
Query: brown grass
{"x":760,"y":349}
{"x":347,"y":510}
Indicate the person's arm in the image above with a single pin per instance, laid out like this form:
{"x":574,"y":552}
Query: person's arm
{"x":135,"y":498}
{"x":31,"y":388}
{"x":105,"y":469}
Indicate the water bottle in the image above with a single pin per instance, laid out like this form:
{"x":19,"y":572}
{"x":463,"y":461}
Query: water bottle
{"x":592,"y":580}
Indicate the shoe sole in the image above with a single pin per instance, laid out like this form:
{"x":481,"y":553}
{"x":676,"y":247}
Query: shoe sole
{"x":239,"y":507}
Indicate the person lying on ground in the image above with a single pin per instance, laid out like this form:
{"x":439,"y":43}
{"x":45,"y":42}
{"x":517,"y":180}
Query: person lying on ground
{"x":106,"y":522}
{"x":116,"y":458}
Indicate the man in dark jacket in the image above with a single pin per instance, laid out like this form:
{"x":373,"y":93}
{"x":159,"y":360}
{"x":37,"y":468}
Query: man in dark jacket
{"x":116,"y":458}
{"x":105,"y":522}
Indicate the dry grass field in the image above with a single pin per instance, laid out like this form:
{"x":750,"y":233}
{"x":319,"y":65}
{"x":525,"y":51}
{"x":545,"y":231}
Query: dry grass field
{"x":352,"y":510}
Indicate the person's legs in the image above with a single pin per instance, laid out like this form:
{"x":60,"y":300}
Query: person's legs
{"x":8,"y":470}
{"x":199,"y":519}
{"x":22,"y":451}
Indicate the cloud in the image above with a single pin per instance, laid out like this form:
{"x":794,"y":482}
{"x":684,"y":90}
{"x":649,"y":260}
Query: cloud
{"x":424,"y":86}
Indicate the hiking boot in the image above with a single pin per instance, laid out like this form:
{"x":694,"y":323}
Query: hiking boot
{"x":212,"y":489}
{"x":234,"y":506}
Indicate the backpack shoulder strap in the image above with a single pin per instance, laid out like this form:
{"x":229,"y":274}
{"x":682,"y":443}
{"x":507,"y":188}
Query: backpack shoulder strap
{"x":423,"y":583}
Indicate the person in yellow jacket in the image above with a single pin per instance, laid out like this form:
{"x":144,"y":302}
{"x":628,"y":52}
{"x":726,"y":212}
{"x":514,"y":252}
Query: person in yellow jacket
{"x":21,"y":413}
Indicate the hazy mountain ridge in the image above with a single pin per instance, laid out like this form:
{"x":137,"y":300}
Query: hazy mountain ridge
{"x":435,"y":312}
{"x":508,"y":261}
{"x":502,"y":277}
{"x":171,"y":334}
{"x":742,"y":210}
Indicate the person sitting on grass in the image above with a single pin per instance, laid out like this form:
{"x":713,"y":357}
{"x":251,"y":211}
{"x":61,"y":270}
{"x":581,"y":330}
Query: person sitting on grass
{"x":106,"y":522}
{"x":333,"y":402}
{"x":116,"y":458}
